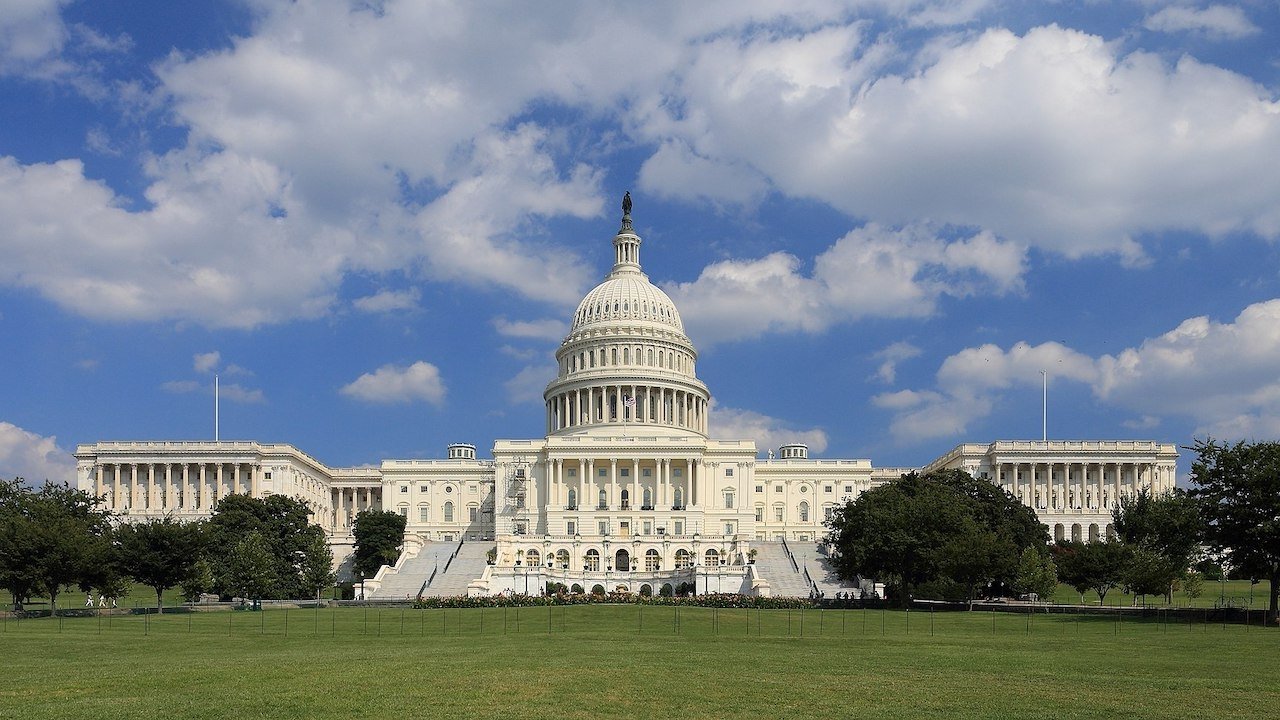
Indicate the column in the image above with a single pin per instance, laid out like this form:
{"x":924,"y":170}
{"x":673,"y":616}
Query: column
{"x":115,"y":486}
{"x":97,"y":479}
{"x":613,"y":478}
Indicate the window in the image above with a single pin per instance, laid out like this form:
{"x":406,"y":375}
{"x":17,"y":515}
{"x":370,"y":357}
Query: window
{"x":424,"y":488}
{"x":472,"y":488}
{"x":730,"y":529}
{"x":532,"y":558}
{"x":473,"y":512}
{"x":573,"y":499}
{"x":759,"y":488}
{"x":448,"y":489}
{"x":603,"y":473}
{"x":682,"y":559}
{"x":266,"y":475}
{"x":827,"y":489}
{"x":679,"y":495}
{"x":573,"y":472}
{"x":626,"y":499}
{"x":804,"y":512}
{"x":424,"y":513}
{"x":777,"y":513}
{"x":648,"y":527}
{"x":827,"y":512}
{"x":651,"y":560}
{"x":604,"y":527}
{"x":624,"y":472}
{"x":777,"y":488}
{"x":404,"y":512}
{"x":759,"y":513}
{"x":728,"y":501}
{"x":593,"y":560}
{"x":728,"y":472}
{"x":679,"y":527}
{"x":404,"y":488}
{"x":603,"y":503}
{"x":804,"y":488}
{"x":677,"y":472}
{"x":448,"y":512}
{"x":562,"y":559}
{"x":848,"y":488}
{"x":712,"y":557}
{"x":646,"y":472}
{"x":648,"y":498}
{"x":571,"y":527}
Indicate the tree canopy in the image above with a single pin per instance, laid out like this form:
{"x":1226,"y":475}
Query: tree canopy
{"x":160,"y":552}
{"x":1163,"y":534}
{"x":1238,"y":490}
{"x":280,"y":529}
{"x":943,"y":533}
{"x":378,"y":535}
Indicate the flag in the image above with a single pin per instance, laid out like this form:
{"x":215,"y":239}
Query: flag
{"x":628,"y":401}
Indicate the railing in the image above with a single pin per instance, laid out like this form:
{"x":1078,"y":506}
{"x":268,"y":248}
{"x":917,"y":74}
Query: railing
{"x":790,"y":557}
{"x":813,"y":586}
{"x":454,"y":554}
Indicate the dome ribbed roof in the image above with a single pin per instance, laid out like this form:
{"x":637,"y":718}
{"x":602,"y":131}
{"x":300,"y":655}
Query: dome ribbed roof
{"x":630,"y":298}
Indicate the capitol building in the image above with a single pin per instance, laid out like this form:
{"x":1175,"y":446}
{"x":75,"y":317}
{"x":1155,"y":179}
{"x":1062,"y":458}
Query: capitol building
{"x":626,"y":490}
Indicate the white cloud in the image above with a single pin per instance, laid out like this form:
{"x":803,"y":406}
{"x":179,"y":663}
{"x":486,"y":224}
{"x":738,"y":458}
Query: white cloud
{"x":1050,"y":139}
{"x":675,"y":171}
{"x":30,"y":30}
{"x":528,"y":384}
{"x":1220,"y":375}
{"x":892,"y":355}
{"x":34,"y":457}
{"x":389,"y":301}
{"x":545,"y":329}
{"x":206,"y":362}
{"x":181,"y":387}
{"x":870,"y":272}
{"x":1217,"y":21}
{"x":767,"y":432}
{"x":399,"y":384}
{"x":236,"y":392}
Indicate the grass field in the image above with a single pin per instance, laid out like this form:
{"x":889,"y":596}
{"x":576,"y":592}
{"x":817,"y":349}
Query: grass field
{"x":630,"y":661}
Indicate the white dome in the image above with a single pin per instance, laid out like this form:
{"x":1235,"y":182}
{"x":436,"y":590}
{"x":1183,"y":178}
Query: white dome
{"x":630,"y":298}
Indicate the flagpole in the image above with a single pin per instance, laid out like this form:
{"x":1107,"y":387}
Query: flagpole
{"x":215,"y":407}
{"x":1044,"y":406}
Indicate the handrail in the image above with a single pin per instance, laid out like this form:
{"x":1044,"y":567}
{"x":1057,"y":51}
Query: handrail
{"x":454,"y":554}
{"x":790,"y":557}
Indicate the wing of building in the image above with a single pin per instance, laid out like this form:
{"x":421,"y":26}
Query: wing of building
{"x":626,"y":490}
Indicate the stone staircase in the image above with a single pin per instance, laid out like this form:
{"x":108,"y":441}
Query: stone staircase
{"x":811,"y":557}
{"x":467,"y":566}
{"x":773,"y":565}
{"x":405,"y":583}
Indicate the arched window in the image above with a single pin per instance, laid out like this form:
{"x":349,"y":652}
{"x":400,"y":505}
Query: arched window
{"x":593,"y":560}
{"x":679,"y":498}
{"x":651,"y":560}
{"x":562,"y":559}
{"x":728,"y":500}
{"x":712,"y":557}
{"x":626,"y":499}
{"x":573,"y":499}
{"x":683,"y":559}
{"x":533,"y":558}
{"x":603,"y":503}
{"x":448,"y":512}
{"x":804,"y":511}
{"x":648,"y":498}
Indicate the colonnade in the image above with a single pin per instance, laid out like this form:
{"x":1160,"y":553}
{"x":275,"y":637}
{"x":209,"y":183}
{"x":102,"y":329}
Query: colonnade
{"x":675,"y":483}
{"x":347,"y":502}
{"x":627,"y":403}
{"x":173,"y":487}
{"x":1071,"y":487}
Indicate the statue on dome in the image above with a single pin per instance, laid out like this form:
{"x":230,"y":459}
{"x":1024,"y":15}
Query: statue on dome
{"x":626,"y":204}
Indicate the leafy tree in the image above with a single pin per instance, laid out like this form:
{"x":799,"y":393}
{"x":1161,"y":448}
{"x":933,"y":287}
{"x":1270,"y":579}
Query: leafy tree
{"x":1238,"y":488}
{"x":938,"y":528}
{"x":1068,"y":556}
{"x":198,"y":581}
{"x":1165,"y":532}
{"x":250,"y":568}
{"x":160,"y":553}
{"x":50,"y":539}
{"x":1105,"y":564}
{"x":378,"y":536}
{"x":1193,"y":584}
{"x":317,"y":565}
{"x":283,"y":526}
{"x":1036,"y":573}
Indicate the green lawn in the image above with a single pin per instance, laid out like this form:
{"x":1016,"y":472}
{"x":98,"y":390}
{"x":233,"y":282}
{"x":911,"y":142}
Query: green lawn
{"x":1233,"y":593}
{"x":630,"y":661}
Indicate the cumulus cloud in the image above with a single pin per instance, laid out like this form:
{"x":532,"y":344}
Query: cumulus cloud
{"x":399,"y":384}
{"x":1217,"y":21}
{"x":891,"y":356}
{"x":544,"y":329}
{"x":33,"y":457}
{"x":206,"y":362}
{"x":871,"y":272}
{"x":1220,"y":375}
{"x":528,"y":384}
{"x":30,"y":30}
{"x":388,"y":301}
{"x":767,"y":432}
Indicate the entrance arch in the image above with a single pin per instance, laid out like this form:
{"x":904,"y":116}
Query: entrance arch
{"x":622,"y":560}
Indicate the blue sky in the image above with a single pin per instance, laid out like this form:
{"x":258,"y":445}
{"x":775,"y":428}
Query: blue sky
{"x":880,"y":220}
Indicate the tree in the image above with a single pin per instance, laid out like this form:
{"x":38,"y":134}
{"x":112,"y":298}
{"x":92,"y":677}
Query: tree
{"x":941,"y":528}
{"x":378,"y":535}
{"x":285,"y":533}
{"x":50,"y":539}
{"x":317,"y":565}
{"x":1238,"y":490}
{"x":250,"y":571}
{"x":159,"y":553}
{"x":1164,"y":532}
{"x":1073,"y":569}
{"x":197,"y":582}
{"x":1104,"y":564}
{"x":1036,"y":573}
